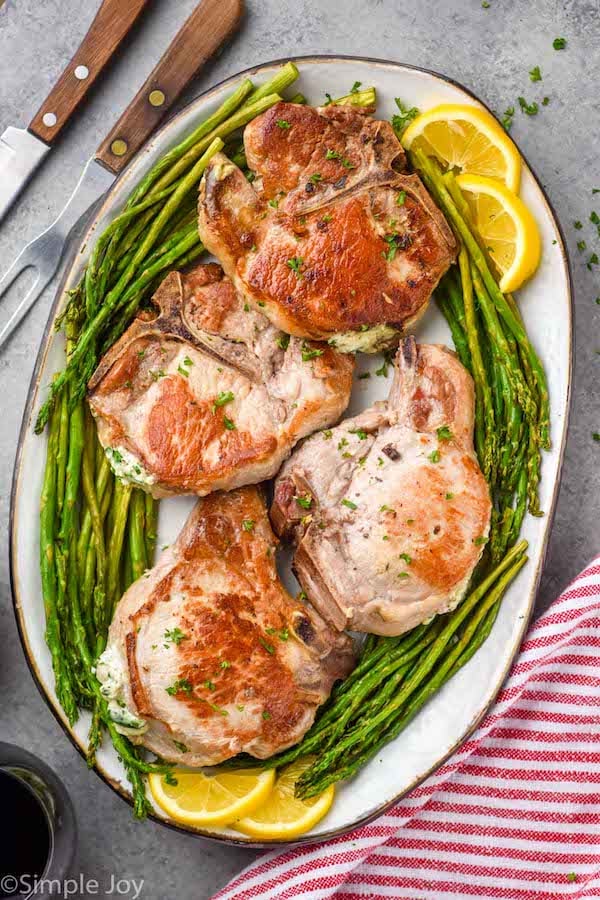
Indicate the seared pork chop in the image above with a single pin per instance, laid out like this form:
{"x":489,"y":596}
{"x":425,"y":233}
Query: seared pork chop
{"x":334,"y":240}
{"x":209,"y":395}
{"x":208,"y":655}
{"x":394,"y":508}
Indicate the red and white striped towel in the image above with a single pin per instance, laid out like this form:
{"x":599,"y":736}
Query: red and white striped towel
{"x":514,"y":815}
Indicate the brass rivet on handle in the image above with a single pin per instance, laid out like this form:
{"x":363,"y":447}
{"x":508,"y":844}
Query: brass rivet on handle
{"x":119,"y":147}
{"x":156,"y":98}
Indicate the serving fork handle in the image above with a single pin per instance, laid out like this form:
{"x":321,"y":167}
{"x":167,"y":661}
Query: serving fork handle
{"x":113,"y":22}
{"x":205,"y":32}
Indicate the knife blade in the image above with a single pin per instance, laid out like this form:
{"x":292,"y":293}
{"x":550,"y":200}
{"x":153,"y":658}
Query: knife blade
{"x":22,"y":150}
{"x":204,"y":32}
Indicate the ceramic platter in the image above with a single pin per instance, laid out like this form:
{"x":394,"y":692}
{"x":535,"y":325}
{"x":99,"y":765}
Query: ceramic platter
{"x":546,"y":306}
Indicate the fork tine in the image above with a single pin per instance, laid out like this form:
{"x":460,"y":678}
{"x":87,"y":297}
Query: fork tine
{"x":21,"y":263}
{"x":7,"y":328}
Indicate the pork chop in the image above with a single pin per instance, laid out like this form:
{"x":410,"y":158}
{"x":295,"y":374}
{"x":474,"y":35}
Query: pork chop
{"x":390,"y":511}
{"x":209,"y":395}
{"x":208,"y":655}
{"x":334,"y":239}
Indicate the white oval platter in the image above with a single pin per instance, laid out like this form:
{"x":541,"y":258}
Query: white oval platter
{"x":546,"y":305}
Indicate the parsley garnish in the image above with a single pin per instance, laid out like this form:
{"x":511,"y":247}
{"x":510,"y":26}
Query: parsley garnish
{"x":209,"y":685}
{"x":507,"y":119}
{"x":268,"y":647}
{"x":407,"y":559}
{"x":274,"y":203}
{"x":332,"y":154}
{"x":355,"y":87}
{"x":444,"y":433}
{"x":479,"y":541}
{"x":315,"y":178}
{"x":348,"y":503}
{"x":328,"y":434}
{"x":530,"y":109}
{"x":309,"y":353}
{"x":183,"y":371}
{"x":283,"y":341}
{"x":295,"y":264}
{"x":360,"y":434}
{"x":225,"y":664}
{"x":283,"y":124}
{"x":401,"y":198}
{"x":535,"y":74}
{"x":434,"y":456}
{"x":182,"y":684}
{"x":175,"y":635}
{"x":229,"y":424}
{"x":304,"y":502}
{"x":402,"y":118}
{"x":181,"y":747}
{"x":577,"y":225}
{"x":581,"y":245}
{"x":266,"y":714}
{"x":222,"y":398}
{"x":449,"y":496}
{"x":248,"y":524}
{"x":559,"y":43}
{"x":158,"y":373}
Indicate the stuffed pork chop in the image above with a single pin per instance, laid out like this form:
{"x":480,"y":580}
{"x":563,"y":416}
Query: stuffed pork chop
{"x":208,"y":655}
{"x":334,"y":239}
{"x":390,"y":511}
{"x":208,"y":394}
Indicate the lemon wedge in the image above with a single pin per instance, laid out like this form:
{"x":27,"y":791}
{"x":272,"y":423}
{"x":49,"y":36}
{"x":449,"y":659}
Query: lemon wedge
{"x":466,"y":138}
{"x":212,"y":800}
{"x":506,"y":227}
{"x":283,"y":816}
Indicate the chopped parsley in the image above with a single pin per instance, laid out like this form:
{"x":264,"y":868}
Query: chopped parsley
{"x":535,"y":74}
{"x":327,"y":434}
{"x":283,"y":124}
{"x":309,"y":352}
{"x":343,"y":443}
{"x":559,"y":43}
{"x":578,"y":225}
{"x":530,"y":109}
{"x":332,"y":154}
{"x":360,"y":434}
{"x":407,"y":559}
{"x":225,"y":664}
{"x":545,"y":101}
{"x":183,"y":371}
{"x":181,"y":747}
{"x":304,"y":502}
{"x":507,"y":118}
{"x":364,"y":375}
{"x":315,"y":178}
{"x":175,"y":636}
{"x":248,"y":524}
{"x":295,"y":264}
{"x":266,"y":714}
{"x":348,"y":503}
{"x":187,"y":361}
{"x":182,"y":684}
{"x":403,"y":117}
{"x":141,"y":354}
{"x":596,"y":436}
{"x":444,"y":433}
{"x":283,"y":341}
{"x":479,"y":541}
{"x":268,"y":647}
{"x":581,"y":245}
{"x":229,"y":424}
{"x":274,"y":203}
{"x":156,"y":374}
{"x":401,"y":198}
{"x":449,"y":496}
{"x":594,"y":218}
{"x":209,"y":685}
{"x":355,"y":87}
{"x":434,"y":456}
{"x":222,"y":398}
{"x":403,"y":575}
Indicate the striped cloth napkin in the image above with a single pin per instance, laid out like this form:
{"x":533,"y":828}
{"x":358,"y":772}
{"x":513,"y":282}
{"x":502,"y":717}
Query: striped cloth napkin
{"x":514,"y":815}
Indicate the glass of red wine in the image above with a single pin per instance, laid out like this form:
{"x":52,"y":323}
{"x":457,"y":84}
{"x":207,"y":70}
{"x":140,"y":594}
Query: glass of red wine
{"x":41,"y":839}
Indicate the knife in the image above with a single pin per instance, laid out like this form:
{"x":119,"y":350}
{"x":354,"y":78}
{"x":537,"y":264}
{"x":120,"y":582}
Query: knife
{"x":202,"y":35}
{"x":22,"y":150}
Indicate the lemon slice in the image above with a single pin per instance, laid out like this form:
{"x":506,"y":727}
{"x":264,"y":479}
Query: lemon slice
{"x":506,"y":227}
{"x":466,"y":138}
{"x":202,"y":799}
{"x":283,"y":816}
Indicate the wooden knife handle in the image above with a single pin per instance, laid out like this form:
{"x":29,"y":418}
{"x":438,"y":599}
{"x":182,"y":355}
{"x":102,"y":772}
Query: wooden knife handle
{"x":206,"y":30}
{"x":114,"y":20}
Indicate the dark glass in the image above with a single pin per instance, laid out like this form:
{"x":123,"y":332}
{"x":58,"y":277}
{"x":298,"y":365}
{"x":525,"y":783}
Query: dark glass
{"x":26,"y":845}
{"x":39,"y":831}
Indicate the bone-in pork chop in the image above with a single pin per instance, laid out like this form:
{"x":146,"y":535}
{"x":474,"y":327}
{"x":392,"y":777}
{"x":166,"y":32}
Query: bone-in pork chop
{"x":334,"y":240}
{"x":209,"y":395}
{"x":208,"y":655}
{"x":394,"y":510}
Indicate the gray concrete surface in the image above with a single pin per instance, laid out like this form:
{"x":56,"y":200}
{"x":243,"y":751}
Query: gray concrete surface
{"x":490,"y":51}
